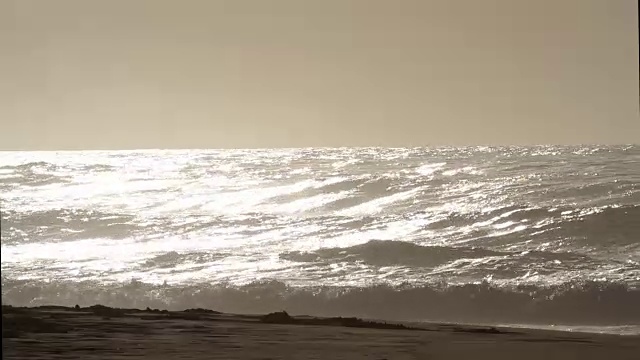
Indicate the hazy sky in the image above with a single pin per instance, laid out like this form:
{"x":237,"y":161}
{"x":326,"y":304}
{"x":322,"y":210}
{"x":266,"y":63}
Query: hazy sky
{"x":78,"y":74}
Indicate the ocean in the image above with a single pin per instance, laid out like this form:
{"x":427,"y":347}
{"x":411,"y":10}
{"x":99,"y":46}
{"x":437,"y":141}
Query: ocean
{"x":545,"y":236}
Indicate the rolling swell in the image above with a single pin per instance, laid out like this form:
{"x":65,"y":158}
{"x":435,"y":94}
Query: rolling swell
{"x":588,"y":226}
{"x":572,"y":303}
{"x":32,"y":174}
{"x":439,"y":261}
{"x":63,"y":225}
{"x":390,"y":253}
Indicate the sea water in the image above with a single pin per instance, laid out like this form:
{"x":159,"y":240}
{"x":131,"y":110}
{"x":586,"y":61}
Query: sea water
{"x":545,"y":235}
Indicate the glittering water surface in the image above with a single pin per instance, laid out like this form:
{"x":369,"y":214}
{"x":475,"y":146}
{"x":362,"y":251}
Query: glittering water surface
{"x":542,"y":234}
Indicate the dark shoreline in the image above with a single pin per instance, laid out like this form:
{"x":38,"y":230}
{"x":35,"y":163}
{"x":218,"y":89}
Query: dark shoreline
{"x":99,"y":332}
{"x":281,"y":318}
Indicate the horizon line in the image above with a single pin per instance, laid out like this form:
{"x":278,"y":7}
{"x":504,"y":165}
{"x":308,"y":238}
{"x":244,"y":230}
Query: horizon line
{"x":326,"y":147}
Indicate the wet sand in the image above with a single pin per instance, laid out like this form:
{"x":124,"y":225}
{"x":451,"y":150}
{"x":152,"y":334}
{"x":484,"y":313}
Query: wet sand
{"x":104,"y":333}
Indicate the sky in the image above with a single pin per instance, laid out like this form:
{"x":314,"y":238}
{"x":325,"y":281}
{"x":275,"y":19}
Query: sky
{"x":127,"y":74}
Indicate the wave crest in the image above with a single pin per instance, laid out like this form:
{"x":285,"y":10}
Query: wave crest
{"x":389,"y":253}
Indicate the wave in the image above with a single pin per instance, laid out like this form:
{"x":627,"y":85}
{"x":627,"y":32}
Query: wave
{"x":63,"y":225}
{"x":602,"y":227}
{"x":588,"y":226}
{"x":438,"y":261}
{"x":32,"y":179}
{"x":577,"y":302}
{"x":517,"y":213}
{"x":49,"y":166}
{"x":42,"y":173}
{"x":390,"y":253}
{"x":58,"y":225}
{"x":173,"y":259}
{"x":29,"y":166}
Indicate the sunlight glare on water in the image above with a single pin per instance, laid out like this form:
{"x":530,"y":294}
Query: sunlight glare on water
{"x":349,"y":218}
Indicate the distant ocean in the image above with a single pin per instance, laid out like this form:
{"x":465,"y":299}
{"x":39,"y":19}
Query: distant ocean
{"x":530,"y":236}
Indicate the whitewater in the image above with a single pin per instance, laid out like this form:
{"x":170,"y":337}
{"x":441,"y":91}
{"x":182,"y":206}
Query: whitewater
{"x":524,"y":236}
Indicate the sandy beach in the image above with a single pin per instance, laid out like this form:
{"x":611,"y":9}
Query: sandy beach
{"x":99,"y":332}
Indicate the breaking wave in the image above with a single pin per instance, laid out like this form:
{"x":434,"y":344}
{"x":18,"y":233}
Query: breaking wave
{"x":577,"y":302}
